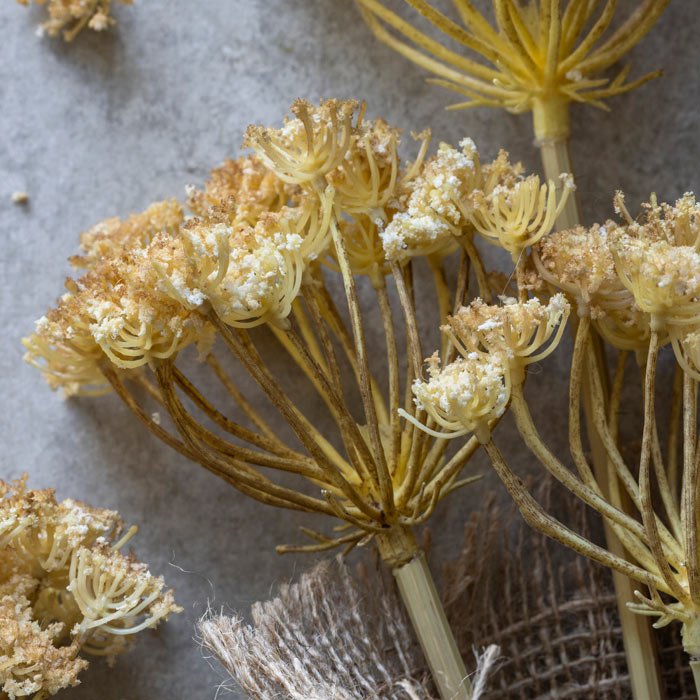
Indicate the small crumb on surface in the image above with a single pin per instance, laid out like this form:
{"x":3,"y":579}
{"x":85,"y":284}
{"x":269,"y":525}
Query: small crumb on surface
{"x":20,"y":198}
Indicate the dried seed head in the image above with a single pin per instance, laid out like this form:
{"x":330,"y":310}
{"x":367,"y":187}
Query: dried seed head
{"x":517,"y":216}
{"x":309,"y":146}
{"x":249,"y":275}
{"x":522,"y":332}
{"x":239,"y":191}
{"x":43,"y":627}
{"x":580,"y":262}
{"x":365,"y":180}
{"x":111,"y":238}
{"x":432,"y":205}
{"x":663,"y":278}
{"x":69,"y":17}
{"x":465,"y":395}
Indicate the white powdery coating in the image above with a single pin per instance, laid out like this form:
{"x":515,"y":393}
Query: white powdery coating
{"x":256,"y":278}
{"x":432,"y":211}
{"x":469,"y":391}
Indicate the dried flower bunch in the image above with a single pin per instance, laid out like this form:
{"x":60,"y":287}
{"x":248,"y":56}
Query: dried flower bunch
{"x":540,"y":57}
{"x":637,"y":286}
{"x":69,"y":17}
{"x":323,"y":197}
{"x":65,"y":590}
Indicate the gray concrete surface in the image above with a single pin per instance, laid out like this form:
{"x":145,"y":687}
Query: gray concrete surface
{"x":111,"y":123}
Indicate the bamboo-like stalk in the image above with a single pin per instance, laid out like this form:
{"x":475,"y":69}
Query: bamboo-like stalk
{"x":419,"y":595}
{"x":551,"y":128}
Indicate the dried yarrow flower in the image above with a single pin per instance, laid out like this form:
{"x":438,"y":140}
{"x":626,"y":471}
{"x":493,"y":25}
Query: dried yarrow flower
{"x":66,"y":589}
{"x":70,"y":17}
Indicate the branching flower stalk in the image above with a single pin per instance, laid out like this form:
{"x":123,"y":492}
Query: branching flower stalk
{"x":638,"y":284}
{"x":324,"y":199}
{"x":537,"y":56}
{"x":66,"y":590}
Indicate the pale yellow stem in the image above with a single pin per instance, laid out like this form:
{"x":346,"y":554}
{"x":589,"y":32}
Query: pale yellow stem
{"x":552,"y":126}
{"x":418,"y":592}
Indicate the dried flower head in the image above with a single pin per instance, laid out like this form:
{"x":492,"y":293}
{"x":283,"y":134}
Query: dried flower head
{"x":465,"y":396}
{"x":112,"y":237}
{"x":239,"y":191}
{"x":539,"y":56}
{"x":70,"y":17}
{"x":518,"y":216}
{"x":309,"y":146}
{"x":248,"y":274}
{"x":522,"y":332}
{"x":663,"y":278}
{"x":581,"y":263}
{"x":430,"y":213}
{"x":65,"y":589}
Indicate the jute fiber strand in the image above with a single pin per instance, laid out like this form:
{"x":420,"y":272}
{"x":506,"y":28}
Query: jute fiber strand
{"x":326,"y":638}
{"x":554,"y":615}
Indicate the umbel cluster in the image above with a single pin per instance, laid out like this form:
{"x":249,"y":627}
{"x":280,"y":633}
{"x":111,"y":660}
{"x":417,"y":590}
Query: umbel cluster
{"x":323,"y":204}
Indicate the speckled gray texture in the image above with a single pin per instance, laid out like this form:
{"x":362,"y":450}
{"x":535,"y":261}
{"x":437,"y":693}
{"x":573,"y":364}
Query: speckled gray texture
{"x":110,"y":123}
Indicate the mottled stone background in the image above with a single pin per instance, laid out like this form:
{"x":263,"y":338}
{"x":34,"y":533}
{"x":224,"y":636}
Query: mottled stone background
{"x":110,"y":123}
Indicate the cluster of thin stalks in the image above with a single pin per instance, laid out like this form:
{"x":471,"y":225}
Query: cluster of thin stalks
{"x":636,"y":289}
{"x":324,"y":203}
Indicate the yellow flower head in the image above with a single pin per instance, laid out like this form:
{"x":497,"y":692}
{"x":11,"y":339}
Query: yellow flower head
{"x":522,"y":332}
{"x":463,"y":396}
{"x":580,"y":262}
{"x":309,"y":146}
{"x":686,"y":347}
{"x":663,"y":278}
{"x":539,"y":56}
{"x":363,"y":245}
{"x":517,"y":216}
{"x":70,"y":17}
{"x":365,"y":180}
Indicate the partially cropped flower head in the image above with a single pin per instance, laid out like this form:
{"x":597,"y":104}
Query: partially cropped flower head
{"x":363,"y":245}
{"x":677,"y":224}
{"x":115,"y":594}
{"x":522,"y":332}
{"x":538,"y":54}
{"x":68,"y":364}
{"x":240,"y":190}
{"x":310,"y":145}
{"x":47,"y":618}
{"x":432,"y":204}
{"x":518,"y":216}
{"x":365,"y":180}
{"x":70,"y":17}
{"x":464,"y":396}
{"x":663,"y":278}
{"x":686,"y":346}
{"x":113,"y":237}
{"x":249,"y":275}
